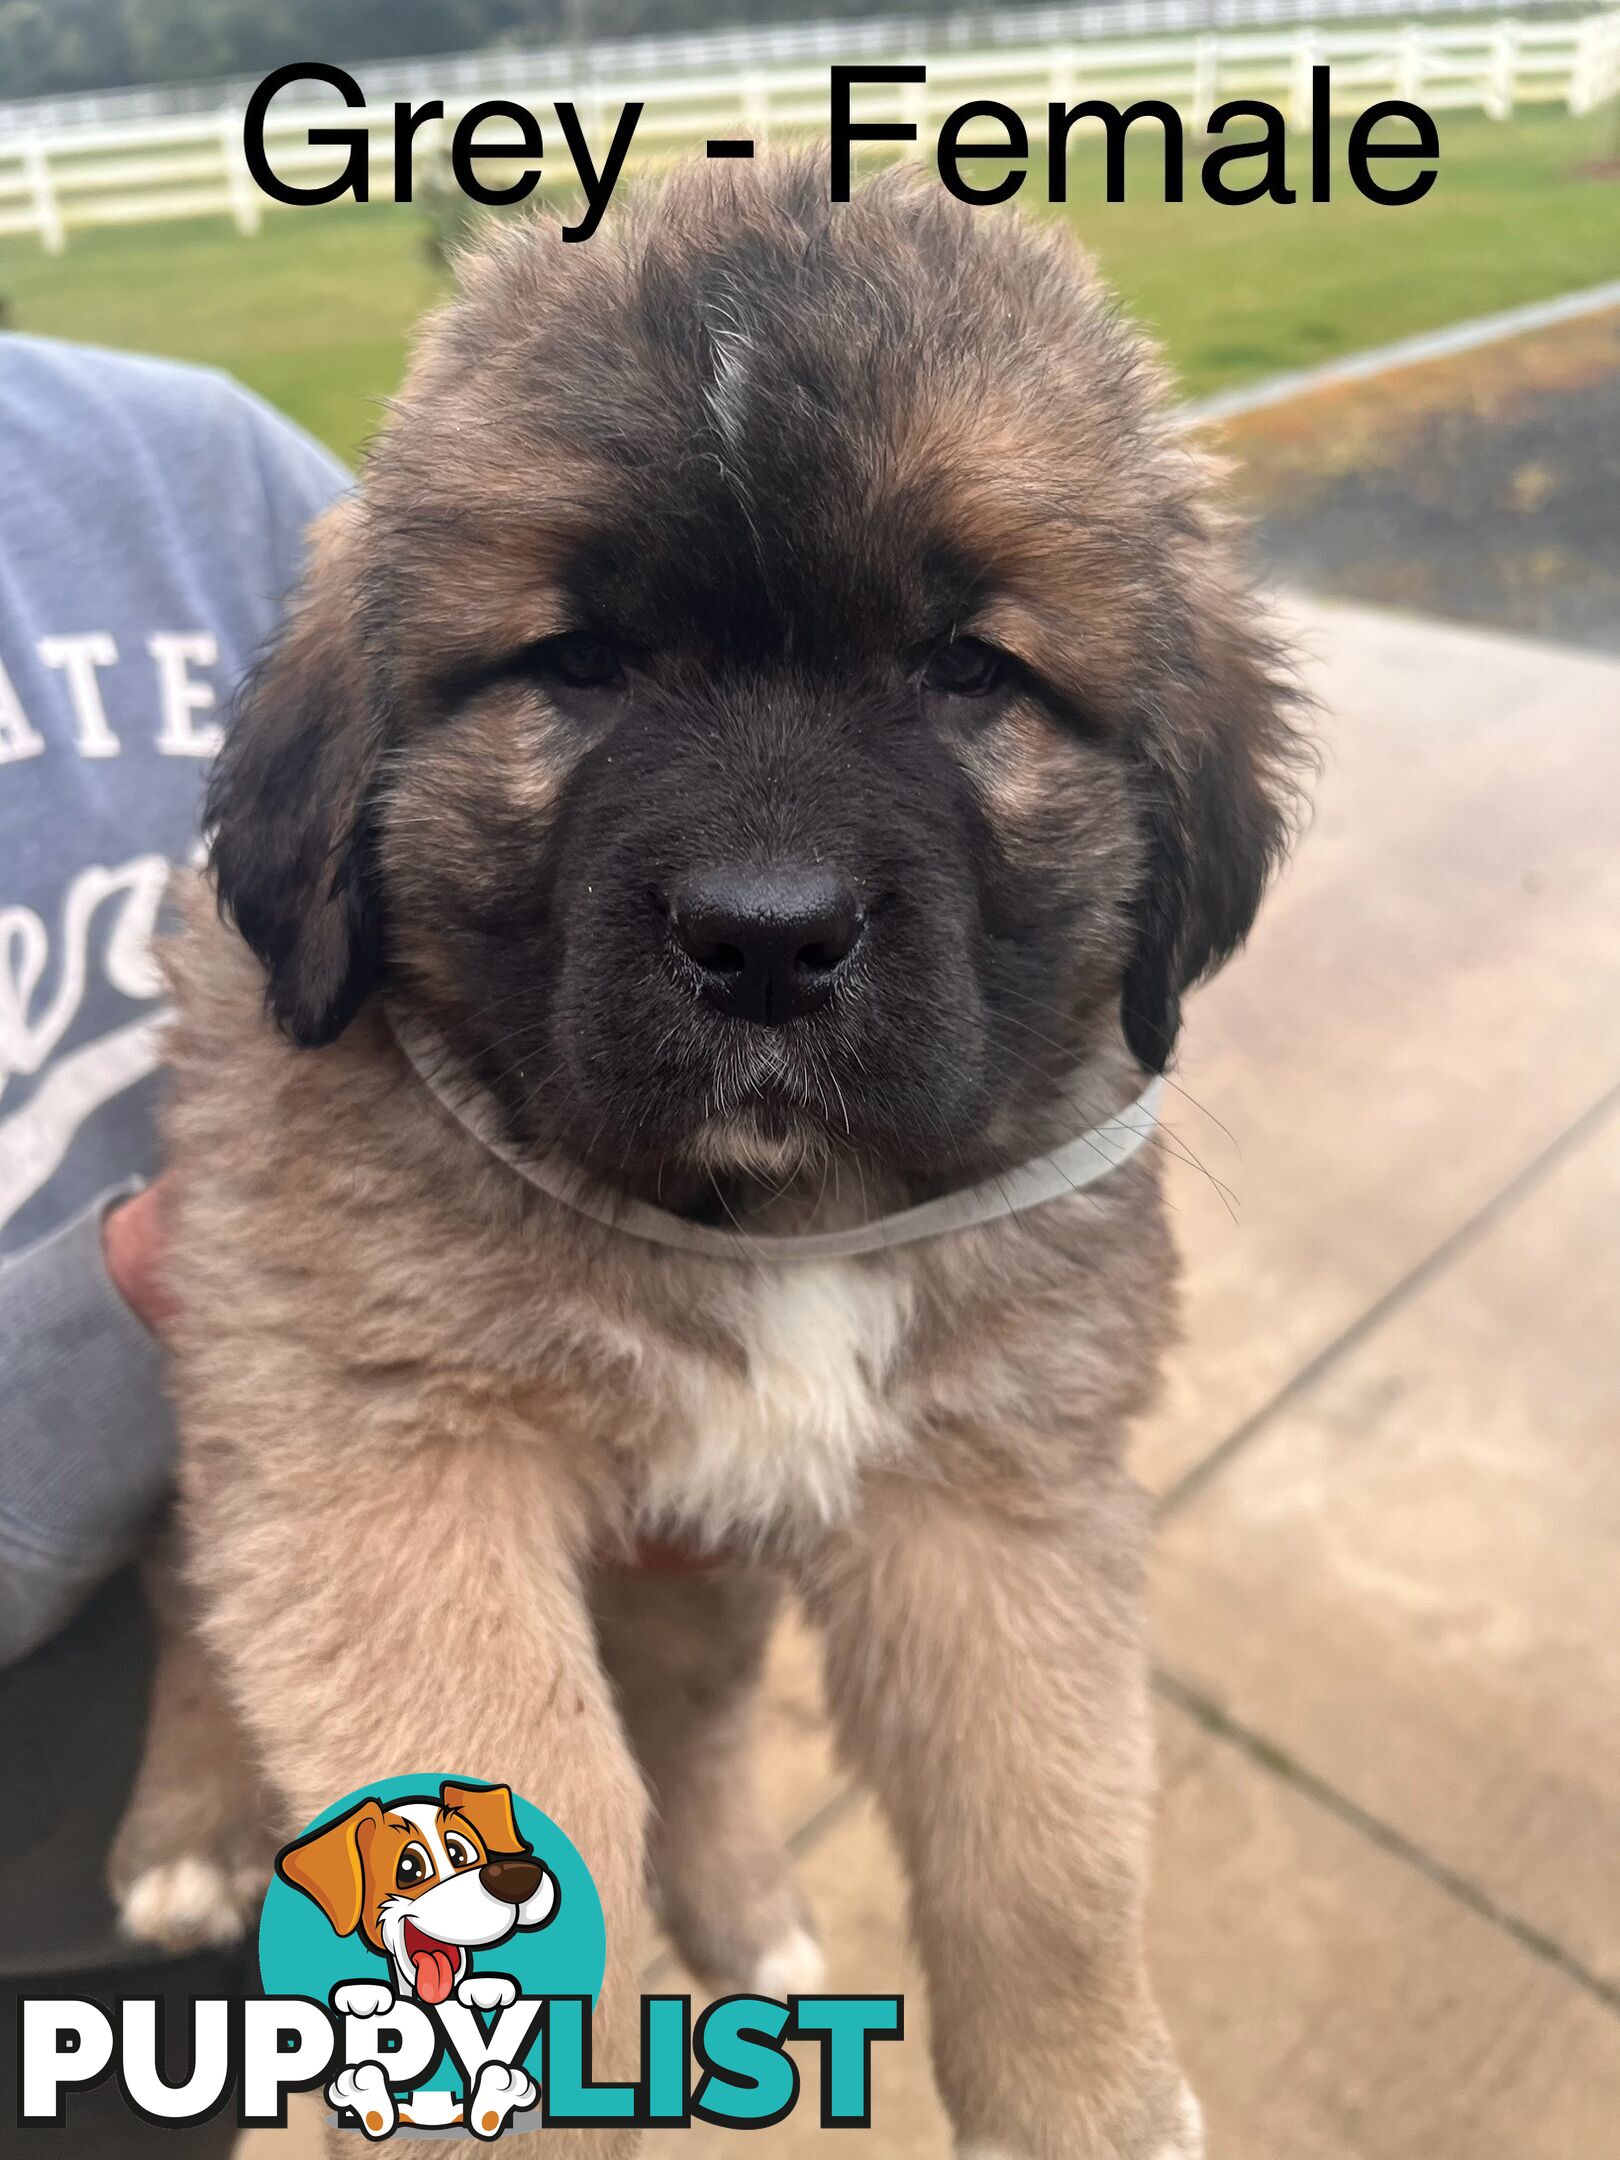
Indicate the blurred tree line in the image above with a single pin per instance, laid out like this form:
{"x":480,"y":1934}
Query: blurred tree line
{"x":64,"y":45}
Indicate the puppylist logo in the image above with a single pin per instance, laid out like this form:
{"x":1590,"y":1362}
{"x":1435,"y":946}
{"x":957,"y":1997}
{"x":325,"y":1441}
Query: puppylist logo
{"x":430,"y":1952}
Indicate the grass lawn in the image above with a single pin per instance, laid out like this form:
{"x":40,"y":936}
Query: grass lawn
{"x":314,"y":311}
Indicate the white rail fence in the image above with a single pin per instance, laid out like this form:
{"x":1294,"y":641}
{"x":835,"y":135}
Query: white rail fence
{"x":492,"y":70}
{"x":134,"y":172}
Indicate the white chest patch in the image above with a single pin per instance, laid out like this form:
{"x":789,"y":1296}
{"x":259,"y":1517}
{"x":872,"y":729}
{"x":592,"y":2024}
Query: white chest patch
{"x":789,"y":1438}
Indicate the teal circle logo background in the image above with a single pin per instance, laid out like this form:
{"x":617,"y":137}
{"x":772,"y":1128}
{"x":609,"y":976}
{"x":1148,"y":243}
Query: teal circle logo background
{"x":299,"y":1954}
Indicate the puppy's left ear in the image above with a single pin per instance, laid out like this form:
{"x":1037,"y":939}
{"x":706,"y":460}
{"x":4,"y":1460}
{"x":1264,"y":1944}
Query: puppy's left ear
{"x":1216,"y":789}
{"x":328,"y":1865}
{"x":289,"y":797}
{"x":489,"y":1809}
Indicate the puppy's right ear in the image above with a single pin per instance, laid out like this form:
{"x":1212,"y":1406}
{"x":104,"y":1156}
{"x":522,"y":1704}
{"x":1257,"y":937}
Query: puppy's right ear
{"x":289,"y":801}
{"x":489,"y":1809}
{"x":328,"y":1864}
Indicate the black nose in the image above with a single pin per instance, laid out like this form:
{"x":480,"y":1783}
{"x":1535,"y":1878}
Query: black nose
{"x":768,"y":942}
{"x":514,"y":1882}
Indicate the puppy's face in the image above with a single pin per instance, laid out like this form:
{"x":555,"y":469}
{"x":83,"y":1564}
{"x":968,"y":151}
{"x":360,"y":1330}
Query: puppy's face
{"x":777,"y":689}
{"x":423,"y":1882}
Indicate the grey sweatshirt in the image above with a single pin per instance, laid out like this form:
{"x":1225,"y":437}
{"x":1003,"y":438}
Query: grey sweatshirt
{"x":151,"y":525}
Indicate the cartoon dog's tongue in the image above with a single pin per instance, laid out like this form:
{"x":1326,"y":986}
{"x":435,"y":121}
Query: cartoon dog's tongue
{"x":435,"y":1964}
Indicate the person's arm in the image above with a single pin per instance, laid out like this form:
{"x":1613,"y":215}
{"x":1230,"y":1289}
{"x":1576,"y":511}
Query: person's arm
{"x":194,"y":466}
{"x":86,"y":1432}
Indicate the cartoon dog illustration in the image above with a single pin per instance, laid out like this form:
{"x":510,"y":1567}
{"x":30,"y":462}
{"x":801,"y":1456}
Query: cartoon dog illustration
{"x":424,"y":1882}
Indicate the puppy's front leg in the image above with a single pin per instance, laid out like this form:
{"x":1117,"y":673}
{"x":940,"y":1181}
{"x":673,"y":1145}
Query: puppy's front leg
{"x":985,"y":1662}
{"x":191,"y":1861}
{"x":416,"y":1608}
{"x":685,"y":1653}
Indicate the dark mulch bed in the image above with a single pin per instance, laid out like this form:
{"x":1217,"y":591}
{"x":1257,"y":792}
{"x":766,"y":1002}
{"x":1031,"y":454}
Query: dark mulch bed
{"x":1486,"y":487}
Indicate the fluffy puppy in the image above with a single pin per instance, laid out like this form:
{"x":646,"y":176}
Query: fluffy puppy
{"x":779,"y":711}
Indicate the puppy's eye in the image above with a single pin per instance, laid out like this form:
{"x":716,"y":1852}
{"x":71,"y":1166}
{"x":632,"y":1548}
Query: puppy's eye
{"x":412,"y":1867}
{"x":583,"y":660}
{"x":458,"y":1852}
{"x":964,"y":667}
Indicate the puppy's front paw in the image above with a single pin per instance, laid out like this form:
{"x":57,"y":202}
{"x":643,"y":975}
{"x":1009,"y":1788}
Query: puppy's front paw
{"x":363,"y":1999}
{"x":793,"y":1966}
{"x":487,"y":1991}
{"x":189,"y":1903}
{"x":194,"y":1854}
{"x":734,"y":1912}
{"x":1186,"y":2141}
{"x":1188,"y":2144}
{"x":499,"y":2093}
{"x":364,"y":2088}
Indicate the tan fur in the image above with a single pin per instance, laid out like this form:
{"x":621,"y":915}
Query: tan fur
{"x":382,"y":1329}
{"x":423,"y":1403}
{"x":684,"y":1652}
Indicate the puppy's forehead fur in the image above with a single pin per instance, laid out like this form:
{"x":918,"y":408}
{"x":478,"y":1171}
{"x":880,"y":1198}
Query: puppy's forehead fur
{"x":768,"y":425}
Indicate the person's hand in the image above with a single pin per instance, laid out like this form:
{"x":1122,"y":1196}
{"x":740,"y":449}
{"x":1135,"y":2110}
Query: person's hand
{"x":132,"y":1236}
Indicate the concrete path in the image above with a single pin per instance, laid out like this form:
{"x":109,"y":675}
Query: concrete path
{"x":1387,"y":1590}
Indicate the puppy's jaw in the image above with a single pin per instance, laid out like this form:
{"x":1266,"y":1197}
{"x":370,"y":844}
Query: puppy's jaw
{"x":742,"y":1144}
{"x":458,"y":1911}
{"x":399,"y":1913}
{"x":765,"y":1091}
